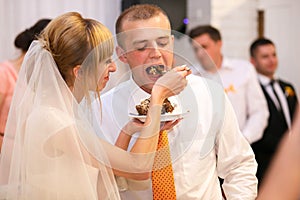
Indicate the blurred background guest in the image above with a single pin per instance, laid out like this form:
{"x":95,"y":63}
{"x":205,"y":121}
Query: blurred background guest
{"x":281,"y":98}
{"x":239,"y":80}
{"x":9,"y":70}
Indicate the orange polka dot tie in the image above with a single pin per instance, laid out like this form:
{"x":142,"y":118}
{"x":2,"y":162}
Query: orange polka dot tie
{"x":162,"y":175}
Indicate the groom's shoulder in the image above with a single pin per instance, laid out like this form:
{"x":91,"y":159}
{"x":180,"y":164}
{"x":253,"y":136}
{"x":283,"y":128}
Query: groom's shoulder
{"x":199,"y":81}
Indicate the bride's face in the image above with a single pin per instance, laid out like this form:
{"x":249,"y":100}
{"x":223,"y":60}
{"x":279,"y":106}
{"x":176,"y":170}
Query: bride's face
{"x":104,"y":69}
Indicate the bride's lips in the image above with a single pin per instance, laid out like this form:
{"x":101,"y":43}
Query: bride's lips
{"x":106,"y":78}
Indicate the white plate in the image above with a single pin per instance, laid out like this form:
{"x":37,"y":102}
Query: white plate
{"x":163,"y":118}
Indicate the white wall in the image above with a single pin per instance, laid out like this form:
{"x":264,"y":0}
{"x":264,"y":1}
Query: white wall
{"x":17,"y":15}
{"x":282,"y":26}
{"x":198,"y":12}
{"x":236,"y":21}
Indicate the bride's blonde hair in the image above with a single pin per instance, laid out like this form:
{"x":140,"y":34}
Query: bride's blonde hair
{"x":71,"y":39}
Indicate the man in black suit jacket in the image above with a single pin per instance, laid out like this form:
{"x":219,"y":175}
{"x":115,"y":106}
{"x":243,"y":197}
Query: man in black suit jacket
{"x":281,"y":98}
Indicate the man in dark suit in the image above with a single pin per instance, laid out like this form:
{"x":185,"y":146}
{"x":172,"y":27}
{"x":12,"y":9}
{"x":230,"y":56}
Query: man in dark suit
{"x":281,"y":98}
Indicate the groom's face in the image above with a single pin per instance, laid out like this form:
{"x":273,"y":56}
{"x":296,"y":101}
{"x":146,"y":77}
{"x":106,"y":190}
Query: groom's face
{"x":146,"y":43}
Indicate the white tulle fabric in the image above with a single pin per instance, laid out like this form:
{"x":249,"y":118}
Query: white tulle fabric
{"x":48,"y":139}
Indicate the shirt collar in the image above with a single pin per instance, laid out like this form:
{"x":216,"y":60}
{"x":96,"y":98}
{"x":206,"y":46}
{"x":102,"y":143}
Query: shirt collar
{"x":264,"y":80}
{"x":135,"y":87}
{"x":226,"y":64}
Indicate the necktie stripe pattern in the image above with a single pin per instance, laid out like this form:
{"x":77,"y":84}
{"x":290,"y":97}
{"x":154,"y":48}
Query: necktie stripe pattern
{"x":163,"y":185}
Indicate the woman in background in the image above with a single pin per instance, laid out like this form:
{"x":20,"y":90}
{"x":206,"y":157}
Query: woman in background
{"x":9,"y":70}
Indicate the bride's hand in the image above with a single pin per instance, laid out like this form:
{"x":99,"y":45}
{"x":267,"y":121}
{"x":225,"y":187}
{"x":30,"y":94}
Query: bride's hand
{"x":171,"y":83}
{"x":168,"y":125}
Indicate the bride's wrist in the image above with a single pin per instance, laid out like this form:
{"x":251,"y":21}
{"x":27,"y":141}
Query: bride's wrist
{"x":127,"y":130}
{"x":156,"y":98}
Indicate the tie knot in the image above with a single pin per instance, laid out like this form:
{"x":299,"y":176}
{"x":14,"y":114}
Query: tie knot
{"x":272,"y":82}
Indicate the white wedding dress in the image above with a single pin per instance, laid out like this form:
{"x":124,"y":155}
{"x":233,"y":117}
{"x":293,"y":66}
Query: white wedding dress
{"x":49,"y":144}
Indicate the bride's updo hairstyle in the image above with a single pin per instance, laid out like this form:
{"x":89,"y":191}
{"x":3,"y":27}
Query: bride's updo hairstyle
{"x":73,"y":40}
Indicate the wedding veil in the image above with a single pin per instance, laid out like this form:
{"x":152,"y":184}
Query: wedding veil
{"x":48,"y":138}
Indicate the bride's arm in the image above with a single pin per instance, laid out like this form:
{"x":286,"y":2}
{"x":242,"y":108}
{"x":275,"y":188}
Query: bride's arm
{"x":146,"y":143}
{"x":171,"y":83}
{"x":138,"y":163}
{"x":133,"y":126}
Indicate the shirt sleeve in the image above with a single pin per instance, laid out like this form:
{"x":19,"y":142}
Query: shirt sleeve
{"x":257,"y":109}
{"x":236,"y":163}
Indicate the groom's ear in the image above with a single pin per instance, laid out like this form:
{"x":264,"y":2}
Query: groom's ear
{"x":121,"y":54}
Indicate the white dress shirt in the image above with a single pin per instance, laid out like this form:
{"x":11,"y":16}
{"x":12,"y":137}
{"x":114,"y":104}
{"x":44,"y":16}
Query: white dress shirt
{"x":240,"y":82}
{"x":206,"y":144}
{"x":247,"y":98}
{"x":265,"y":81}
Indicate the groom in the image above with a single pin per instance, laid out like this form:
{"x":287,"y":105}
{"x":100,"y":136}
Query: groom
{"x":206,"y":144}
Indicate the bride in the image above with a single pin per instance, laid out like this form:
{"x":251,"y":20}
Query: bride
{"x":50,"y":149}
